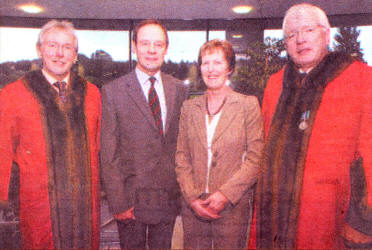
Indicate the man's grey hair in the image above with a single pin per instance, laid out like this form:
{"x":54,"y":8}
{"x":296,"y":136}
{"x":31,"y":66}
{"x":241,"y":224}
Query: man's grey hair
{"x":62,"y":25}
{"x":306,"y":7}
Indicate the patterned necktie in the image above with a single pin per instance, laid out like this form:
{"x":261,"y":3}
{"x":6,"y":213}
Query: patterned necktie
{"x":155,"y":105}
{"x":61,"y":90}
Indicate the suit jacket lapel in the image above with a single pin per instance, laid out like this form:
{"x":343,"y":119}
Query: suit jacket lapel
{"x":170,"y":96}
{"x":227,"y":116}
{"x":135,"y":92}
{"x":198,"y":118}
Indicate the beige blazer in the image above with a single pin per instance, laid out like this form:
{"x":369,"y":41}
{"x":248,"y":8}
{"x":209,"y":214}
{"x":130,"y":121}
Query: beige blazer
{"x":236,"y":148}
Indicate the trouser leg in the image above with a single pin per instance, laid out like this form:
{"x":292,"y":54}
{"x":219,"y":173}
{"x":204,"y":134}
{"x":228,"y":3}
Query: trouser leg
{"x":160,"y":235}
{"x":197,"y":232}
{"x":132,"y":234}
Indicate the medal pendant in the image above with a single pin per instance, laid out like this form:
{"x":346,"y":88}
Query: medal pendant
{"x":303,"y":125}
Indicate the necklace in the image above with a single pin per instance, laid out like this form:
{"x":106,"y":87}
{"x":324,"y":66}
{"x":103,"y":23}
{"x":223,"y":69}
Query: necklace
{"x":219,"y":108}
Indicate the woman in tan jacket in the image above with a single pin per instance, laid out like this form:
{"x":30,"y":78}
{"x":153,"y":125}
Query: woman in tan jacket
{"x":218,"y":151}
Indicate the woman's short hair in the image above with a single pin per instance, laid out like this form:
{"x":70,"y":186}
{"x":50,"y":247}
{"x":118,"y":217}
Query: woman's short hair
{"x":214,"y":45}
{"x":54,"y":24}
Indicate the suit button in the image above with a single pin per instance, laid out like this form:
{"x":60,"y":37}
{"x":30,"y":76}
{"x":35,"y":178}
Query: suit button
{"x":215,"y":154}
{"x":214,"y":163}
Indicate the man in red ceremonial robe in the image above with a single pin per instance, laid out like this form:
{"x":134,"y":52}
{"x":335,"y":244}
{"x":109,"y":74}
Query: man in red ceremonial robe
{"x":317,"y":114}
{"x":49,"y":123}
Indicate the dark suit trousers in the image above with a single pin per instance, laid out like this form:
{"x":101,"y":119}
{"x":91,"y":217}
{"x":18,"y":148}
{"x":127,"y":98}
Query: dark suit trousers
{"x":137,"y":235}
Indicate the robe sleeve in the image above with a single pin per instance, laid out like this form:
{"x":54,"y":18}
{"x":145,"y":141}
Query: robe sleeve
{"x":8,"y":141}
{"x":365,"y":135}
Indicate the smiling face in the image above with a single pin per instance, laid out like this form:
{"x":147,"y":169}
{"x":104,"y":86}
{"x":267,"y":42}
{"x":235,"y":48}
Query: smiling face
{"x":214,"y":69}
{"x":150,"y":48}
{"x":306,"y":40}
{"x":57,"y":52}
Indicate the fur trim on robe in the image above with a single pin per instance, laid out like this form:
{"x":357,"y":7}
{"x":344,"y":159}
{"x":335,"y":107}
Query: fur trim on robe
{"x":68,"y":163}
{"x":285,"y":151}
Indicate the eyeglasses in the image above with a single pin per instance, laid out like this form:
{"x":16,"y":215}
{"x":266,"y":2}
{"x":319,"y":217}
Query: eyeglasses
{"x":307,"y":31}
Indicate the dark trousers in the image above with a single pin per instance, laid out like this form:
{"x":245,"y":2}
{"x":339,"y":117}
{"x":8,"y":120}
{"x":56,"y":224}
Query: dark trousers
{"x":137,"y":235}
{"x":228,"y":232}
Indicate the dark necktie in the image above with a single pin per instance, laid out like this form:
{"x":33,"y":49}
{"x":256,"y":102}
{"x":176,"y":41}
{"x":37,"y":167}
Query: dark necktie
{"x":61,"y":90}
{"x":155,"y":105}
{"x":302,"y":76}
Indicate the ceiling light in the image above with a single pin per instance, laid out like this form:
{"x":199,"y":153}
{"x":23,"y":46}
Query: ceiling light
{"x":30,"y":8}
{"x":242,"y":9}
{"x":237,"y":36}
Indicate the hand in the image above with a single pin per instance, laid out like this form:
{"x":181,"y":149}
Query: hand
{"x":202,"y":211}
{"x":355,"y":236}
{"x":125,"y":215}
{"x":215,"y":202}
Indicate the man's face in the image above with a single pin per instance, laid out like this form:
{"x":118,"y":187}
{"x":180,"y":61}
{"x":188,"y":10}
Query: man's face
{"x":305,"y":40}
{"x":57,"y":52}
{"x":150,"y":48}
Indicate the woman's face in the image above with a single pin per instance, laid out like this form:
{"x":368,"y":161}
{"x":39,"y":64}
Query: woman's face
{"x":215,"y":69}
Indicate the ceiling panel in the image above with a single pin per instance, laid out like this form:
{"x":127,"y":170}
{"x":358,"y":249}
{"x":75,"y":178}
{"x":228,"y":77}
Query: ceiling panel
{"x":174,"y":9}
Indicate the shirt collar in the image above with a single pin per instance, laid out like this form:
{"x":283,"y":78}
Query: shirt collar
{"x":305,"y":72}
{"x":52,"y":79}
{"x":143,"y":77}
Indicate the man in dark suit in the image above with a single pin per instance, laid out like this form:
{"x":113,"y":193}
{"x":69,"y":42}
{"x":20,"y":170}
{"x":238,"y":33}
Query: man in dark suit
{"x":140,"y":117}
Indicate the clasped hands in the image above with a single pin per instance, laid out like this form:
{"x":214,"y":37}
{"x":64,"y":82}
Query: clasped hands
{"x":209,"y":208}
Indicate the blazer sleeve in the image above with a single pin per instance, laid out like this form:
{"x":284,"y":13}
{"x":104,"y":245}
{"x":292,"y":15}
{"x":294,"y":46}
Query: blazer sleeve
{"x":183,"y":169}
{"x":246,"y":176}
{"x":112,"y":164}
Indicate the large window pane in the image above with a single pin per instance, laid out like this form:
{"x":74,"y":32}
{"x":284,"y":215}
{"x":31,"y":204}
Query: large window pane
{"x":114,"y":43}
{"x":103,"y":55}
{"x":217,"y":34}
{"x":18,"y":44}
{"x":364,"y":38}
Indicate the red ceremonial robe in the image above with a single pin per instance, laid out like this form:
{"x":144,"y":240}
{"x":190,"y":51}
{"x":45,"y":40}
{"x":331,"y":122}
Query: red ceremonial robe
{"x":55,"y":147}
{"x":339,"y":132}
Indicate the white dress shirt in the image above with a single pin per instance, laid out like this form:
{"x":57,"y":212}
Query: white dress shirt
{"x":143,"y":79}
{"x":52,"y":80}
{"x":211,"y":128}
